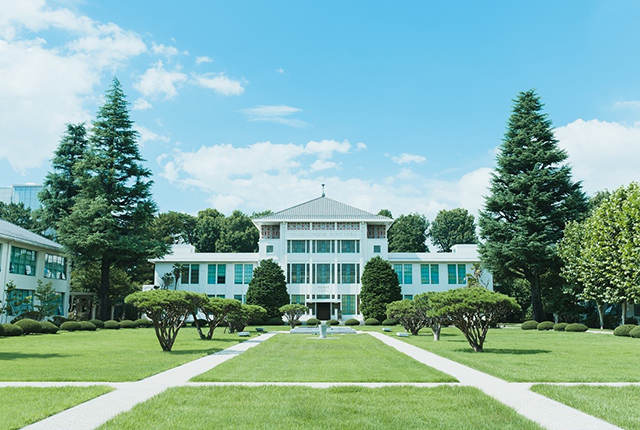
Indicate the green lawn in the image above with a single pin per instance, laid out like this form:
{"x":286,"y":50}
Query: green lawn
{"x":533,"y":356}
{"x":340,"y":358}
{"x":25,"y":405}
{"x":618,"y":405}
{"x":339,"y":408}
{"x":104,"y":355}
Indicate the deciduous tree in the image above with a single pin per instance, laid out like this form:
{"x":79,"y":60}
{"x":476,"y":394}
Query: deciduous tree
{"x":293,"y":312}
{"x":409,"y":234}
{"x":451,"y":227}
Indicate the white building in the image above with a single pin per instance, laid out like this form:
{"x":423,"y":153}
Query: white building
{"x":25,"y":259}
{"x":322,"y":246}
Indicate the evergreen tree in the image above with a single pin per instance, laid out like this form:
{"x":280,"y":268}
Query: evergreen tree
{"x":238,"y":234}
{"x":18,"y":214}
{"x":449,"y":228}
{"x":385,"y":212}
{"x":174,"y":227}
{"x":207,"y":230}
{"x":380,"y":287}
{"x":268,"y":288}
{"x":532,"y":197}
{"x":409,"y":234}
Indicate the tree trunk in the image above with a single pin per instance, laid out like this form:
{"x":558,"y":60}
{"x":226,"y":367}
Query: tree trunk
{"x":624,"y":312}
{"x":536,"y":298}
{"x":435,"y":328}
{"x":103,"y":296}
{"x":600,"y":307}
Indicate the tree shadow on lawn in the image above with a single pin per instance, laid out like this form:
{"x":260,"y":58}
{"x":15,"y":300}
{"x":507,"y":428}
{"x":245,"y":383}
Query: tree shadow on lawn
{"x":19,"y":356}
{"x":205,"y":351}
{"x":507,"y":351}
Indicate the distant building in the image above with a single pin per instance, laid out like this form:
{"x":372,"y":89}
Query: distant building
{"x":25,"y":194}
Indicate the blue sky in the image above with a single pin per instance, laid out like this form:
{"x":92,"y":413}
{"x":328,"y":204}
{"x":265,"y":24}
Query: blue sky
{"x":252,"y":105}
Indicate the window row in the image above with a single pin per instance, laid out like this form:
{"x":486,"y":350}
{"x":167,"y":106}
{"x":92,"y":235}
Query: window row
{"x":216,"y":274}
{"x":348,"y":301}
{"x":305,"y":226}
{"x":19,"y":301}
{"x":430,"y":273}
{"x":323,"y":273}
{"x":323,"y":246}
{"x":23,"y":262}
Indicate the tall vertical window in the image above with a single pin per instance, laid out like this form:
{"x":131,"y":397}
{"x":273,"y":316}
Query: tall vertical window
{"x":429,"y":274}
{"x":435,"y":274}
{"x":298,"y":273}
{"x":19,"y":301}
{"x":348,"y":273}
{"x":408,"y":274}
{"x":211,"y":274}
{"x":324,"y":274}
{"x":238,"y":272}
{"x":398,"y":269}
{"x":298,"y":246}
{"x":190,"y":274}
{"x":195,"y":273}
{"x":23,"y":261}
{"x":242,"y":273}
{"x":222,"y":274}
{"x":349,"y":246}
{"x":349,"y":304}
{"x":216,"y":274}
{"x":457,"y":274}
{"x":297,"y":299}
{"x":323,"y":246}
{"x":55,"y":267}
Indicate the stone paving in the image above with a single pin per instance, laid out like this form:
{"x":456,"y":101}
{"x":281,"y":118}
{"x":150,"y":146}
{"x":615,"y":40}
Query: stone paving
{"x":548,"y":413}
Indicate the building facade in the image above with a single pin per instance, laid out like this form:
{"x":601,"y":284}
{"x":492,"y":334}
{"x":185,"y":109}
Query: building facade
{"x":25,"y":194}
{"x":322,"y":246}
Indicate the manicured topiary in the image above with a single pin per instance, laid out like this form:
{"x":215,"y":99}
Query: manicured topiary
{"x":275,"y":321}
{"x":312,"y":322}
{"x":87,"y":326}
{"x":371,"y":321}
{"x":48,"y":327}
{"x":624,"y":330}
{"x":112,"y":325}
{"x":577,"y":327}
{"x":70,"y":326}
{"x":389,"y":321}
{"x":560,"y":326}
{"x":127,"y":324}
{"x":144,"y":323}
{"x":97,"y":323}
{"x":333,"y":322}
{"x":29,"y":326}
{"x":352,"y":321}
{"x":545,"y":325}
{"x":635,"y":332}
{"x":12,"y":330}
{"x":529,"y":325}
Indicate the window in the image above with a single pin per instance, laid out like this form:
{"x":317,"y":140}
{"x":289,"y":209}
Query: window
{"x":297,"y":246}
{"x":404,"y":272}
{"x":248,"y":273}
{"x":270,"y":231}
{"x":238,"y":274}
{"x":348,"y":226}
{"x":19,"y":301}
{"x":297,"y":299}
{"x":323,"y":226}
{"x":58,"y":302}
{"x":323,"y":296}
{"x":376,"y":231}
{"x":195,"y":273}
{"x":429,"y":274}
{"x":222,"y":274}
{"x":23,"y":261}
{"x":298,"y":273}
{"x":324,"y":274}
{"x":349,"y":246}
{"x":408,"y":297}
{"x":269,"y":249}
{"x":298,"y":226}
{"x":435,"y":274}
{"x":323,"y":246}
{"x":408,"y":274}
{"x":211,"y":274}
{"x":376,"y":249}
{"x":398,"y":269}
{"x":239,"y":297}
{"x":349,"y":304}
{"x":242,"y":273}
{"x":349,"y":273}
{"x":55,"y":267}
{"x":457,"y":274}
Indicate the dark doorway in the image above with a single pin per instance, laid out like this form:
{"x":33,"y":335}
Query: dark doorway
{"x":323,"y":311}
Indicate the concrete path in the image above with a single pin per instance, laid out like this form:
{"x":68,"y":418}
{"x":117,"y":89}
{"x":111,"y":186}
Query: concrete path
{"x":91,"y":414}
{"x":550,"y":414}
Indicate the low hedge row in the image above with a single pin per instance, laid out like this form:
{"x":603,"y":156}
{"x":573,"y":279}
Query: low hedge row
{"x":29,"y":326}
{"x":312,"y":322}
{"x":624,"y":330}
{"x":545,"y":325}
{"x":352,"y":321}
{"x":371,"y":321}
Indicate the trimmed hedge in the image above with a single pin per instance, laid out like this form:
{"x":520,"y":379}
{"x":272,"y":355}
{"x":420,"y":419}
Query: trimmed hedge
{"x":389,"y":321}
{"x":635,"y":332}
{"x":576,"y":327}
{"x":529,"y":325}
{"x":352,"y":321}
{"x":274,"y":321}
{"x":70,"y":326}
{"x":48,"y":327}
{"x":371,"y":321}
{"x":12,"y":330}
{"x":127,"y":324}
{"x":560,"y":326}
{"x":143,"y":323}
{"x":333,"y":322}
{"x":97,"y":323}
{"x":87,"y":326}
{"x":112,"y":325}
{"x":312,"y":322}
{"x":29,"y":326}
{"x":545,"y":325}
{"x":58,"y":320}
{"x":256,"y":321}
{"x":624,"y":330}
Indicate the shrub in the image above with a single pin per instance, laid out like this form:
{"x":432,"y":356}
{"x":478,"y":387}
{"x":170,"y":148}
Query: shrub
{"x":112,"y":325}
{"x":29,"y":326}
{"x":33,"y":315}
{"x":624,"y":330}
{"x":58,"y":320}
{"x":87,"y":326}
{"x":12,"y":330}
{"x":529,"y":325}
{"x":312,"y":322}
{"x":631,"y":320}
{"x":256,"y":321}
{"x":275,"y":321}
{"x":70,"y":326}
{"x":333,"y":322}
{"x":371,"y":321}
{"x":352,"y":321}
{"x":48,"y":327}
{"x":1,"y":330}
{"x":201,"y":322}
{"x":389,"y":321}
{"x":144,"y":323}
{"x":127,"y":324}
{"x":577,"y":327}
{"x":297,"y":322}
{"x":560,"y":326}
{"x":545,"y":325}
{"x":635,"y":332}
{"x":293,"y":312}
{"x":97,"y":323}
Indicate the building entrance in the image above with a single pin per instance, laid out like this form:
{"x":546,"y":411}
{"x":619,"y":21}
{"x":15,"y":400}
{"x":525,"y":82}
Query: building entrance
{"x":323,"y":311}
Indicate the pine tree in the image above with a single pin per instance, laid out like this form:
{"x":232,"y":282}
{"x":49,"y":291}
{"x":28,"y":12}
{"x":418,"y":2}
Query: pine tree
{"x":380,"y":286}
{"x":532,"y":197}
{"x":268,"y":288}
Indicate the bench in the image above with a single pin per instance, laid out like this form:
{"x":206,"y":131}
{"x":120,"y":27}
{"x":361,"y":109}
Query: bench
{"x":402,"y":334}
{"x":244,"y":334}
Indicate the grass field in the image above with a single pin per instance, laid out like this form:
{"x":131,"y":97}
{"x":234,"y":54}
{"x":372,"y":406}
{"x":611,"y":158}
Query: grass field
{"x":104,"y":355}
{"x":339,"y":408}
{"x":618,"y":405}
{"x":21,"y":406}
{"x":340,"y":358}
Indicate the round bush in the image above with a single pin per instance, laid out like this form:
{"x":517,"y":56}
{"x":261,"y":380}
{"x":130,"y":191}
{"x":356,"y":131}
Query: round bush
{"x":97,"y":323}
{"x":29,"y":326}
{"x":275,"y":321}
{"x":352,"y":321}
{"x":70,"y":326}
{"x":87,"y":326}
{"x":12,"y":330}
{"x":297,"y":322}
{"x":312,"y":322}
{"x":635,"y":332}
{"x":371,"y":321}
{"x":48,"y":327}
{"x":112,"y":325}
{"x":560,"y":326}
{"x":333,"y":322}
{"x":624,"y":330}
{"x":576,"y":327}
{"x":256,"y":321}
{"x":529,"y":325}
{"x":143,"y":322}
{"x":545,"y":325}
{"x":127,"y":324}
{"x":389,"y":321}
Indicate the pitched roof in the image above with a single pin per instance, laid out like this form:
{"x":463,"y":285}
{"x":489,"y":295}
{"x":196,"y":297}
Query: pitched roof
{"x":323,"y":208}
{"x":19,"y":234}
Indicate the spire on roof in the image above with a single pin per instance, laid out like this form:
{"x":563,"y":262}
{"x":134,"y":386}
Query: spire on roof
{"x":322,"y":190}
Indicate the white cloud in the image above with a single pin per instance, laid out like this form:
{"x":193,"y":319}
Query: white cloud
{"x":279,"y":114}
{"x":361,"y":146}
{"x":326,"y":148}
{"x":220,"y":83}
{"x":204,"y":59}
{"x":167,"y":51}
{"x":405,"y":158}
{"x":602,"y":154}
{"x":157,"y":81}
{"x":280,"y":70}
{"x":318,"y":165}
{"x":141,"y":104}
{"x":146,"y":135}
{"x":633,"y":104}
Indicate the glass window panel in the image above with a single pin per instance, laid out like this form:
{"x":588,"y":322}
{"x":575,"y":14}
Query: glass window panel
{"x":184,"y":274}
{"x":408,"y":274}
{"x":55,"y":267}
{"x":195,"y":273}
{"x":424,"y":273}
{"x":323,"y":274}
{"x":248,"y":273}
{"x":435,"y":274}
{"x":298,"y":246}
{"x":298,"y":273}
{"x":323,"y":246}
{"x":349,"y":304}
{"x":222,"y":273}
{"x":22,"y":261}
{"x":462,"y":274}
{"x":398,"y":270}
{"x":237,"y":275}
{"x":452,"y":276}
{"x":348,"y":274}
{"x":211,"y":274}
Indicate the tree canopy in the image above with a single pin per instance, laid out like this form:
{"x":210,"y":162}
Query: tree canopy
{"x":268,"y":288}
{"x":409,"y":234}
{"x":452,"y":227}
{"x":380,"y":287}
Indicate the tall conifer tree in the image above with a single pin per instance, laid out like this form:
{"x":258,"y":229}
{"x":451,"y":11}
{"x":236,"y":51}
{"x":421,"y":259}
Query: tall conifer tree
{"x":532,"y":197}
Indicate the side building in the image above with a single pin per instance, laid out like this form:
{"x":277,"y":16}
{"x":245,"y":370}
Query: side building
{"x":322,"y":246}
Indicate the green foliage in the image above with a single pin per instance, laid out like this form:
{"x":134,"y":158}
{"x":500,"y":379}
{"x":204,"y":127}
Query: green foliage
{"x":293,"y":312}
{"x":12,"y":330}
{"x":312,"y":322}
{"x":98,"y":323}
{"x":623,"y":330}
{"x":268,"y":288}
{"x":70,"y":326}
{"x":47,"y":298}
{"x":111,"y":325}
{"x":274,"y":321}
{"x":87,"y":278}
{"x":15,"y":305}
{"x":18,"y":214}
{"x":546,"y":325}
{"x":576,"y":327}
{"x":635,"y":332}
{"x":389,"y":321}
{"x":532,"y":197}
{"x":87,"y":326}
{"x":529,"y":325}
{"x":58,"y":320}
{"x":371,"y":321}
{"x":215,"y":311}
{"x":143,"y":323}
{"x":174,"y":227}
{"x":333,"y":322}
{"x":29,"y":326}
{"x":2,"y":330}
{"x":560,"y":326}
{"x":408,"y":233}
{"x":127,"y":324}
{"x":451,"y":227}
{"x":238,"y":234}
{"x":238,"y":318}
{"x":379,"y":287}
{"x":352,"y":321}
{"x":47,"y":327}
{"x":386,"y":213}
{"x":404,"y":311}
{"x":207,"y":230}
